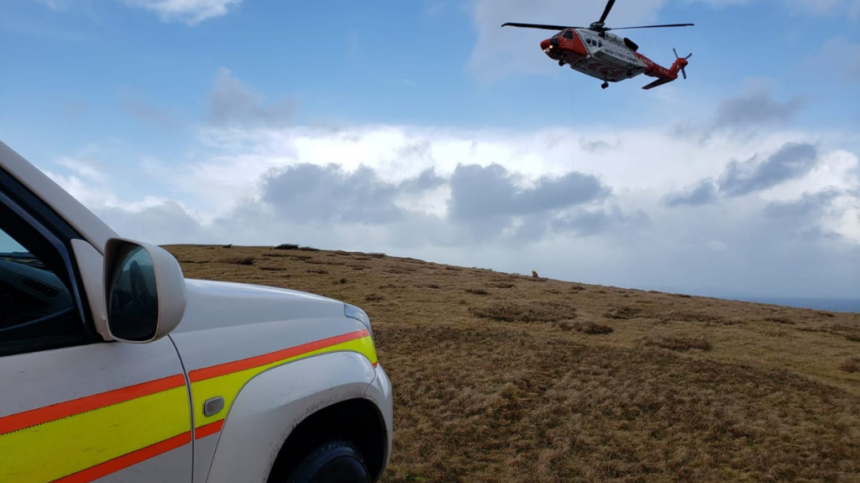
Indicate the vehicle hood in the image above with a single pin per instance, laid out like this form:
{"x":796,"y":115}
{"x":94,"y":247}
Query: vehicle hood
{"x":211,"y":305}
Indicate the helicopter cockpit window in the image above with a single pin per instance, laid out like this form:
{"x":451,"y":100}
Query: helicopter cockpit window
{"x":568,"y":34}
{"x":588,"y":40}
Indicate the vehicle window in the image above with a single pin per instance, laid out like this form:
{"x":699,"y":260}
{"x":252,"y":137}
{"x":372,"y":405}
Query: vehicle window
{"x":600,"y":44}
{"x":588,"y":41}
{"x":37,"y":306}
{"x":568,"y":35}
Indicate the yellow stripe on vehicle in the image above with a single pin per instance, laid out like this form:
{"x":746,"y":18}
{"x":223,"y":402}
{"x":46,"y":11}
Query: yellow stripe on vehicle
{"x":228,"y":385}
{"x":62,"y":447}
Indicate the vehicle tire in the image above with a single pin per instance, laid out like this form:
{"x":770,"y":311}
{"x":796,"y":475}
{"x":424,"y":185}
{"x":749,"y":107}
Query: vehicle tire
{"x":332,"y":462}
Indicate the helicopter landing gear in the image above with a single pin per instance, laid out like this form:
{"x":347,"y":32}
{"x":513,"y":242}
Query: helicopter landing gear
{"x":604,"y":85}
{"x":561,"y":63}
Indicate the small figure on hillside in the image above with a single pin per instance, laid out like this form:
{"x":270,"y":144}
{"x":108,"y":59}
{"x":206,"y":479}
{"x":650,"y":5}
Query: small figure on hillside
{"x":534,"y":274}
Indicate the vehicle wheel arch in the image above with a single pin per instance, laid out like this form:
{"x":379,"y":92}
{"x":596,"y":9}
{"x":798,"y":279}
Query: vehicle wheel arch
{"x":355,"y":420}
{"x":272,"y":405}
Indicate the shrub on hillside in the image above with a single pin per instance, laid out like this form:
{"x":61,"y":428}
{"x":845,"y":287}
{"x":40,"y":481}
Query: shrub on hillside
{"x":623,"y":313}
{"x":679,"y":344}
{"x":851,"y":365}
{"x":239,"y":260}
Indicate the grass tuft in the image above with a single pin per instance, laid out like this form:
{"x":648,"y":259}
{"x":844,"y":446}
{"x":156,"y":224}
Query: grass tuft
{"x":851,"y":365}
{"x":780,"y":320}
{"x":239,"y":260}
{"x":623,"y":313}
{"x":513,"y":312}
{"x":590,"y":328}
{"x":680,"y":344}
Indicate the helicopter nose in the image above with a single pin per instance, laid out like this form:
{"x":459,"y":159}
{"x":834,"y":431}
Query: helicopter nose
{"x":544,"y":44}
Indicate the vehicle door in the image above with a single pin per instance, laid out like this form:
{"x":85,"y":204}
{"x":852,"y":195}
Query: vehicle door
{"x":74,"y":408}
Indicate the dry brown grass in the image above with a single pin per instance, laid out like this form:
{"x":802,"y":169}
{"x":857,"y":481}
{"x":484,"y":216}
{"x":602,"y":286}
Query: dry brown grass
{"x":527,"y":384}
{"x":851,"y":365}
{"x":679,"y":344}
{"x":238,"y":260}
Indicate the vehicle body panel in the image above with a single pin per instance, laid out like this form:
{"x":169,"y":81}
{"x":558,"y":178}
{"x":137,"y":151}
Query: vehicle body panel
{"x":213,"y":305}
{"x":167,"y":468}
{"x":270,"y":405}
{"x":380,"y":393}
{"x":233,"y":334}
{"x":92,"y":403}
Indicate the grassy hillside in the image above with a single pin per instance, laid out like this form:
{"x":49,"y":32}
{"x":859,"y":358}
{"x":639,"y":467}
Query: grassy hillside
{"x":501,"y":377}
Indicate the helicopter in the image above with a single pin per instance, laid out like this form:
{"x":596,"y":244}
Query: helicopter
{"x":595,"y":52}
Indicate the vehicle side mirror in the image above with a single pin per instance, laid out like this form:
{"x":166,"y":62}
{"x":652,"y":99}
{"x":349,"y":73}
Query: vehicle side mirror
{"x":144,"y":291}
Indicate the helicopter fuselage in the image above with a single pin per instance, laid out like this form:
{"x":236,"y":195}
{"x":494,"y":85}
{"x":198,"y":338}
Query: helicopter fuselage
{"x":607,"y":57}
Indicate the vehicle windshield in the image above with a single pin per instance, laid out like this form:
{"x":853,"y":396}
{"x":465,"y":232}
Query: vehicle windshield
{"x":12,"y":251}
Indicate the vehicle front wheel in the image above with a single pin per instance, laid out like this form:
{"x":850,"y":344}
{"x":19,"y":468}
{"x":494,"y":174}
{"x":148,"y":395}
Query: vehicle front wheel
{"x":332,"y":462}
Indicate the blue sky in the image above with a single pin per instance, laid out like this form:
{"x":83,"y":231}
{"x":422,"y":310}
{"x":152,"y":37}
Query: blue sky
{"x":145,"y":107}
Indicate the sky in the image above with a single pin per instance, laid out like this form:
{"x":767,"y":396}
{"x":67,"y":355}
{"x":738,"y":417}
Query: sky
{"x":424,"y":129}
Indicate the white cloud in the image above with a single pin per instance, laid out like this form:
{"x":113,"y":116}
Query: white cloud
{"x":839,"y":56}
{"x":393,"y":189}
{"x":232,"y":103}
{"x":188,"y":11}
{"x":815,"y":7}
{"x":826,"y":7}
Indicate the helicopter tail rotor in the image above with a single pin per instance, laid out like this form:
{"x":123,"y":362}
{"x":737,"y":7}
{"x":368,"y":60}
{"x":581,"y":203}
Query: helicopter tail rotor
{"x":681,"y":62}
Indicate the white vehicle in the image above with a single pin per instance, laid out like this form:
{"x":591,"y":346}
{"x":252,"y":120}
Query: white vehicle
{"x":115,"y":368}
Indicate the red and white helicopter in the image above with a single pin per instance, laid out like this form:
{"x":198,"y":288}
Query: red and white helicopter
{"x":595,"y":52}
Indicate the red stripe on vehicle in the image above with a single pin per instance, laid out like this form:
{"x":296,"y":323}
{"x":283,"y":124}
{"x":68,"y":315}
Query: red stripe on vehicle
{"x":208,"y":430}
{"x":124,"y":461}
{"x":65,"y":409}
{"x":257,"y":361}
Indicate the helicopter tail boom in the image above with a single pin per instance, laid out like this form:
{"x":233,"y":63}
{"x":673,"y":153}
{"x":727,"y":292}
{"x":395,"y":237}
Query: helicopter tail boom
{"x":664,"y":75}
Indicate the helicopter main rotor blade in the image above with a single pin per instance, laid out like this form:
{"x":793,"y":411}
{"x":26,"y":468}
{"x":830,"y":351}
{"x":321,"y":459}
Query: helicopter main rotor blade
{"x":653,"y":26}
{"x":538,"y":26}
{"x":609,"y":5}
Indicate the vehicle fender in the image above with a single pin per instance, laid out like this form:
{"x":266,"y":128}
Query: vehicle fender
{"x":271,"y":404}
